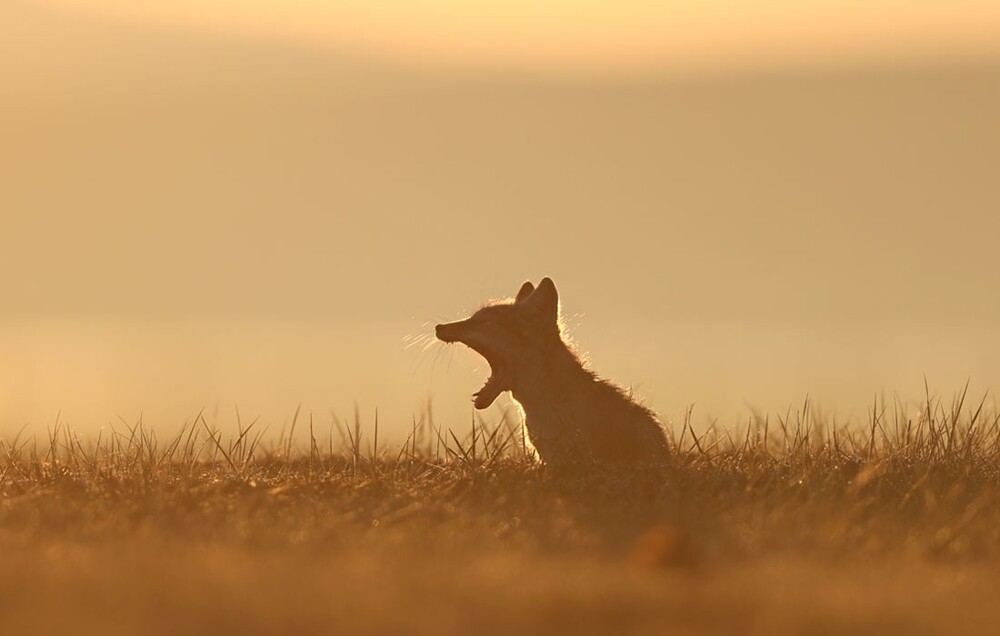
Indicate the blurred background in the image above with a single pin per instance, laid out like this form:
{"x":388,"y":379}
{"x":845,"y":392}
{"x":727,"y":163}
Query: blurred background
{"x":264,"y":204}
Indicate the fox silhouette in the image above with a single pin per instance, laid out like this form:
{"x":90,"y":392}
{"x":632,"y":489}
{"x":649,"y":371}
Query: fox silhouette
{"x":570,"y":413}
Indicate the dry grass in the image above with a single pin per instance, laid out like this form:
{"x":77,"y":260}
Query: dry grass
{"x":787,"y":526}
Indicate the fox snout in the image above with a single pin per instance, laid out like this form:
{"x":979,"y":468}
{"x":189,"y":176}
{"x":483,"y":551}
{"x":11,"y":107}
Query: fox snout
{"x":451,"y":331}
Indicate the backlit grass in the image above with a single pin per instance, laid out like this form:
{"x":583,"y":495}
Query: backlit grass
{"x":787,"y":524}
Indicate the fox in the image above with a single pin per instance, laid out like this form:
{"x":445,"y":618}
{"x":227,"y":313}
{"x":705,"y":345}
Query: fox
{"x":570,"y":414}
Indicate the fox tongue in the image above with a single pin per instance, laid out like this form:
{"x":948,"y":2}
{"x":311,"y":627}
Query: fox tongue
{"x":490,"y":391}
{"x":486,"y":395}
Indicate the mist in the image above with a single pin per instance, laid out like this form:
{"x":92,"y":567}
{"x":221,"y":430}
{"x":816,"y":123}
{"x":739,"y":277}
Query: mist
{"x":194,"y":220}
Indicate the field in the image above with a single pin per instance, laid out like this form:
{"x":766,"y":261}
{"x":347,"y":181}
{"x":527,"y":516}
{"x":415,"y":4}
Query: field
{"x":788,"y":525}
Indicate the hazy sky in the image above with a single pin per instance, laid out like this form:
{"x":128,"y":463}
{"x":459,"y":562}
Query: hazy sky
{"x":197,"y":211}
{"x":588,"y":36}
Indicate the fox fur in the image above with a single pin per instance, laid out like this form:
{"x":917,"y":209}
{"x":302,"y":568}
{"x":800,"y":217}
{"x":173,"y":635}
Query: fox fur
{"x":571,"y":415}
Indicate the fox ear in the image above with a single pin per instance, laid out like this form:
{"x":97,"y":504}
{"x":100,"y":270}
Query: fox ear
{"x":545,"y":299}
{"x":526,"y":290}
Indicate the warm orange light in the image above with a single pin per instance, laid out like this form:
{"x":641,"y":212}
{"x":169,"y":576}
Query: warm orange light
{"x":598,"y":36}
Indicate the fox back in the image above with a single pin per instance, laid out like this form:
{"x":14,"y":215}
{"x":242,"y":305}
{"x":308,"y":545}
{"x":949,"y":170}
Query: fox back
{"x":571,"y":415}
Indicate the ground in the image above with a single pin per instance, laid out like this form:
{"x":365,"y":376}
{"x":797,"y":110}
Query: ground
{"x":785,"y":528}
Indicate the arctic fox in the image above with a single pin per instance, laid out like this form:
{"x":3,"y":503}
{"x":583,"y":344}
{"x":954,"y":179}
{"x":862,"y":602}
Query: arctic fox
{"x":571,"y":415}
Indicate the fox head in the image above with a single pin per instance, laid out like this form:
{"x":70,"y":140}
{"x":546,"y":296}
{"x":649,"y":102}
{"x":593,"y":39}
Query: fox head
{"x":513,"y":336}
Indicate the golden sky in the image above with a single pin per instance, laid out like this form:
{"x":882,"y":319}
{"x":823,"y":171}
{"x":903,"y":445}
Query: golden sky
{"x":590,"y":36}
{"x":214,"y":204}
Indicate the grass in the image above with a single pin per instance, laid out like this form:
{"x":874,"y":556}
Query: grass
{"x":787,"y":525}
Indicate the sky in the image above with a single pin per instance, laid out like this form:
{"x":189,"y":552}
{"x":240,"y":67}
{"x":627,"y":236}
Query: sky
{"x":261,"y":205}
{"x":586,"y":36}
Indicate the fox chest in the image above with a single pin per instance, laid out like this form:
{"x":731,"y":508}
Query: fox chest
{"x":554,"y":425}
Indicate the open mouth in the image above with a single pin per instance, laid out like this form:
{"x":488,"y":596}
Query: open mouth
{"x":495,"y":384}
{"x":498,"y":380}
